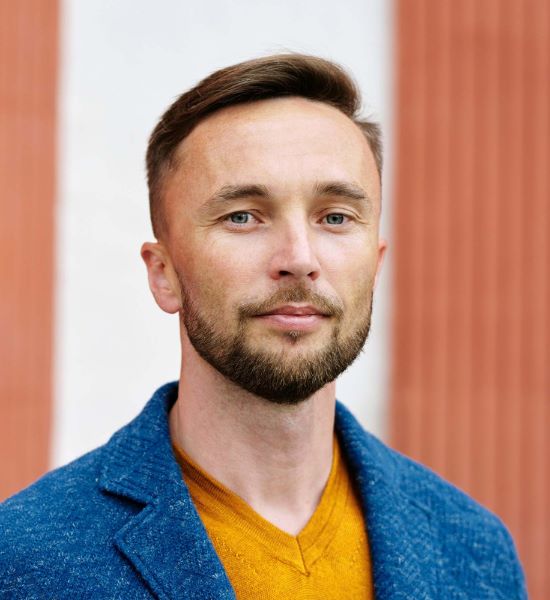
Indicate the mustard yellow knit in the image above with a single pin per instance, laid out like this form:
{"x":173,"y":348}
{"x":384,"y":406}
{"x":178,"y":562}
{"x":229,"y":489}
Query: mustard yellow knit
{"x":328,"y":560}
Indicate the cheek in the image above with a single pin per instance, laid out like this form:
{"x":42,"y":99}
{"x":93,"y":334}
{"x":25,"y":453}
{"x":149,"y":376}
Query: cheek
{"x":230,"y":265}
{"x":237,"y":255}
{"x":350,"y":261}
{"x":349,"y":270}
{"x":218,"y":275}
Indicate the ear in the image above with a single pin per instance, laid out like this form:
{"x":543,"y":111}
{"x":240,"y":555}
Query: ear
{"x":382,"y":247}
{"x":162,"y":277}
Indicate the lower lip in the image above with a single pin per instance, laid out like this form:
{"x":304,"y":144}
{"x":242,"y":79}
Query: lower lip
{"x":295,"y":322}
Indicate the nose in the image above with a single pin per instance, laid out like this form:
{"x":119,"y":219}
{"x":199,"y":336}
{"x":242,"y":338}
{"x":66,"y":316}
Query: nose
{"x":294,"y":255}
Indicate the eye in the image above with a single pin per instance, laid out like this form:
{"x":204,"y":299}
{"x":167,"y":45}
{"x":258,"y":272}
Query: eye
{"x":239,"y":218}
{"x":336,"y":218}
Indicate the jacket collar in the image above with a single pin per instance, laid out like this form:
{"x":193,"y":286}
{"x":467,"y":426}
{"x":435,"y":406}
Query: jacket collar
{"x":402,"y":543}
{"x":168,"y":544}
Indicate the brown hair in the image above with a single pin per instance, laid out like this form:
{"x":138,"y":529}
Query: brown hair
{"x":259,"y":79}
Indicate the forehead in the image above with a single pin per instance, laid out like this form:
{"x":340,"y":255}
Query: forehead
{"x":280,"y":142}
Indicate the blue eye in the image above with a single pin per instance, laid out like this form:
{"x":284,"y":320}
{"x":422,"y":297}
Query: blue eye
{"x":335,"y":219}
{"x":239,"y":218}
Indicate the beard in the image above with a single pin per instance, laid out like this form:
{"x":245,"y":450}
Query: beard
{"x":267,"y":373}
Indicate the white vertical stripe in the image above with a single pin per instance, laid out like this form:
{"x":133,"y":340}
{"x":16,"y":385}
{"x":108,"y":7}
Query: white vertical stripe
{"x":122,"y":64}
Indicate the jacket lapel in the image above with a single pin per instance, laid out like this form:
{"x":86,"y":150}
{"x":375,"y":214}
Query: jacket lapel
{"x":174,"y":556}
{"x":166,"y":541}
{"x":403,"y":546}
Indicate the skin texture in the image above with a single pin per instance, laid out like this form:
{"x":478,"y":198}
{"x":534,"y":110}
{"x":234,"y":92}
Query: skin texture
{"x":256,"y":399}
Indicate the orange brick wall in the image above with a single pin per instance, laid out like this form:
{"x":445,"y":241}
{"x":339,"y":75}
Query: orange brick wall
{"x":470,"y":383}
{"x":28,"y":81}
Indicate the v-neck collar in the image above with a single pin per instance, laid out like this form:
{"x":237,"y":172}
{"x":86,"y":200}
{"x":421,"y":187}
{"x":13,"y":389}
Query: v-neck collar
{"x":214,"y":500}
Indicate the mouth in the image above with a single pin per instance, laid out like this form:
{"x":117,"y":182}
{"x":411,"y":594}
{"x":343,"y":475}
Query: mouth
{"x":295,"y":311}
{"x":297,"y":318}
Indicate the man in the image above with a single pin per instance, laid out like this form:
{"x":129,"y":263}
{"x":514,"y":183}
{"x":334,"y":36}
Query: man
{"x":248,"y":479}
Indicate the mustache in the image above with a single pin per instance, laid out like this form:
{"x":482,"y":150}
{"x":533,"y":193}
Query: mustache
{"x":322,"y":303}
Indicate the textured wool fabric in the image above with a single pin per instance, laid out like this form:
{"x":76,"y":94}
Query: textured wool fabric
{"x":119,"y":523}
{"x":329,"y":558}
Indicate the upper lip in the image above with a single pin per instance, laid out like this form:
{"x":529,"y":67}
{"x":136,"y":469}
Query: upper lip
{"x":289,"y":309}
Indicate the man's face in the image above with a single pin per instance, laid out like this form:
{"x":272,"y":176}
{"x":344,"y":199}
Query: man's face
{"x":274,"y":206}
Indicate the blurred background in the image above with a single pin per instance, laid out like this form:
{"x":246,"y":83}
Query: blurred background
{"x":455,"y":372}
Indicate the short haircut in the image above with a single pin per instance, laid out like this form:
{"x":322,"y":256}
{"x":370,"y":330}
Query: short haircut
{"x":273,"y":76}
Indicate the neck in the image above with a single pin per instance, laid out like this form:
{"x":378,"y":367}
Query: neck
{"x":276,"y":457}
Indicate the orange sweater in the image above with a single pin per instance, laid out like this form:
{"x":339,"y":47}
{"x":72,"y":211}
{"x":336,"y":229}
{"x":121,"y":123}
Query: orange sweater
{"x":329,"y":558}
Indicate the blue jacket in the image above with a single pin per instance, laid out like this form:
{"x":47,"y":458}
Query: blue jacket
{"x":119,"y":523}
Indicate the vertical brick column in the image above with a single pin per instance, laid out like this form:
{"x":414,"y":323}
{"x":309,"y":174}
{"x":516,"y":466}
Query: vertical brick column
{"x":471,"y":374}
{"x":28,"y":78}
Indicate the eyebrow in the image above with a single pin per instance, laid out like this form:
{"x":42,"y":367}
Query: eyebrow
{"x":351,"y":191}
{"x":229,"y":193}
{"x":235,"y":192}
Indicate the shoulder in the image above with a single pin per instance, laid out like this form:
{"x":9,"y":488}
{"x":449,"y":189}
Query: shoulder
{"x":60,"y":521}
{"x":414,"y":481}
{"x":60,"y":536}
{"x":466,"y":541}
{"x":471,"y":538}
{"x":452,"y":512}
